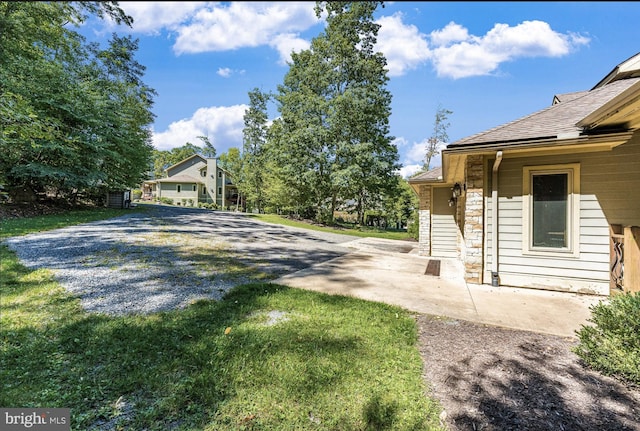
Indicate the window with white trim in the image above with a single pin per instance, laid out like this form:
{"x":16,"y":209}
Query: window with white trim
{"x":178,"y":188}
{"x":551,"y":209}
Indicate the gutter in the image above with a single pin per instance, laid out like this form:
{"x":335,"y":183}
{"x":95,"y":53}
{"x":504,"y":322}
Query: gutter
{"x":608,"y":139}
{"x":495,"y":280}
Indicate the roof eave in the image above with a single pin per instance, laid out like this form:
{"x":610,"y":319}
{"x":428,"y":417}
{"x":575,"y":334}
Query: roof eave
{"x":623,"y":108}
{"x":600,"y":142}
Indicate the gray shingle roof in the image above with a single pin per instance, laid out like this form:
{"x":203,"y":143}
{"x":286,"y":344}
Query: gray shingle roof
{"x":558,"y":119}
{"x":565,"y":97}
{"x":434,"y":174}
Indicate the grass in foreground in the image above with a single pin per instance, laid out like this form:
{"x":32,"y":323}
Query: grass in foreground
{"x":267,"y":357}
{"x":353,"y":231}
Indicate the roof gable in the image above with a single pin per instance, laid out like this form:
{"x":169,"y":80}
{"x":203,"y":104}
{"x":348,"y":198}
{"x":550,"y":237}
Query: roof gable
{"x":189,"y":161}
{"x":630,"y":68}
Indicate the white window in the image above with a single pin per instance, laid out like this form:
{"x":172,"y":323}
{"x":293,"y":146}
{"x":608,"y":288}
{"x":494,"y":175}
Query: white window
{"x":551,"y":210}
{"x":219,"y":190}
{"x":195,"y":188}
{"x":203,"y":173}
{"x":178,"y":188}
{"x":219,"y":174}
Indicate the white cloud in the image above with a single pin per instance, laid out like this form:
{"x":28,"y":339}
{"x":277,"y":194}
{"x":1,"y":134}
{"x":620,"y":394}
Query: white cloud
{"x":225,"y":72}
{"x":151,"y":17}
{"x":407,"y":171}
{"x":403,"y":45}
{"x":286,"y":43}
{"x":454,"y":53}
{"x":222,"y":124}
{"x":412,"y":155}
{"x":459,"y":56}
{"x":242,"y":24}
{"x":452,"y":32}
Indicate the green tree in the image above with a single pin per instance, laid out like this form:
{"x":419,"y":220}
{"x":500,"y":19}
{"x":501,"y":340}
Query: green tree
{"x":439,"y":136}
{"x":332,"y":141}
{"x":251,"y":179}
{"x":208,"y":150}
{"x":73,"y":117}
{"x":366,"y":160}
{"x":400,"y":203}
{"x":299,"y":142}
{"x":231,"y":161}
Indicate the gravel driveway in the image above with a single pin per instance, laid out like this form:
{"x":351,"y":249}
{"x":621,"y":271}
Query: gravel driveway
{"x":167,"y":257}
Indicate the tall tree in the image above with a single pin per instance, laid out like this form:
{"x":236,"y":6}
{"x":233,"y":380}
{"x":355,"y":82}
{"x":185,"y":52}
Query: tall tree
{"x":208,"y":150}
{"x":334,"y":107}
{"x":231,"y":161}
{"x":439,"y":136}
{"x":251,"y":179}
{"x":73,"y":117}
{"x":299,"y":141}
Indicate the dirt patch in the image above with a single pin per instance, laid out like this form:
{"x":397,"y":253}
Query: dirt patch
{"x":11,"y":210}
{"x":490,"y":378}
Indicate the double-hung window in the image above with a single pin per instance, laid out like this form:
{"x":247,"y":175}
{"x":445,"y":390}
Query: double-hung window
{"x":551,"y":210}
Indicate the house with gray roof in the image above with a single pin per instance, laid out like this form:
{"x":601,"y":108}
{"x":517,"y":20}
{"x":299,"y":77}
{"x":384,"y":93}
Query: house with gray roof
{"x":548,"y":201}
{"x":192,"y":181}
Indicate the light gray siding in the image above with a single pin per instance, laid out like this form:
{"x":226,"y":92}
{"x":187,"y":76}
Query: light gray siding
{"x":609,"y":194}
{"x":444,"y":231}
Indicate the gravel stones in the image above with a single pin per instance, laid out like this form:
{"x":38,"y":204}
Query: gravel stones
{"x":167,"y":257}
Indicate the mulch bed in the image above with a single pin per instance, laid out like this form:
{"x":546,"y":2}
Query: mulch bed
{"x":497,"y":379}
{"x":10,"y":210}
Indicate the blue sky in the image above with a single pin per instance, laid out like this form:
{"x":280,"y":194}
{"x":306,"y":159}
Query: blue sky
{"x":487,"y":62}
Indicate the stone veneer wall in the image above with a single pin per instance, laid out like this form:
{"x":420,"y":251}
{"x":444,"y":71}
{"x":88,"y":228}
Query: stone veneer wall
{"x":474,"y":219}
{"x":424,"y":215}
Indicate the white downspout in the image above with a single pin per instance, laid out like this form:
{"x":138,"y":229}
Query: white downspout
{"x":494,"y":220}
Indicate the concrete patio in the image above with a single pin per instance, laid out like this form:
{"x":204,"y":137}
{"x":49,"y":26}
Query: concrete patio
{"x":392,"y":272}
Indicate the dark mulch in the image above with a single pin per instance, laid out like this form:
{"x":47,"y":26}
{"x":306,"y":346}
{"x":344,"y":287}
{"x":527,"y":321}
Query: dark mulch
{"x":11,"y":210}
{"x":490,"y":378}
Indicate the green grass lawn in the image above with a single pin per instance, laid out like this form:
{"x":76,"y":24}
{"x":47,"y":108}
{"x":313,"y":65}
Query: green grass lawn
{"x":267,"y":357}
{"x":344,"y":229}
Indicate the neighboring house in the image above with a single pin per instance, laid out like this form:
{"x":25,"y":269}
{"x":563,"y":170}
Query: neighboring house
{"x":194,"y":180}
{"x":549,"y":201}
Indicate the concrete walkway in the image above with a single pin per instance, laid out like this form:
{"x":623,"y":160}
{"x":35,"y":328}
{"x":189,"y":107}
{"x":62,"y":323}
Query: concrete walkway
{"x":391,"y":272}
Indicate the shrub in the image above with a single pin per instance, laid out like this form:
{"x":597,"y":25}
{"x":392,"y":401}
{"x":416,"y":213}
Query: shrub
{"x":167,"y":201}
{"x":612,"y":344}
{"x":208,"y":205}
{"x":413,"y":226}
